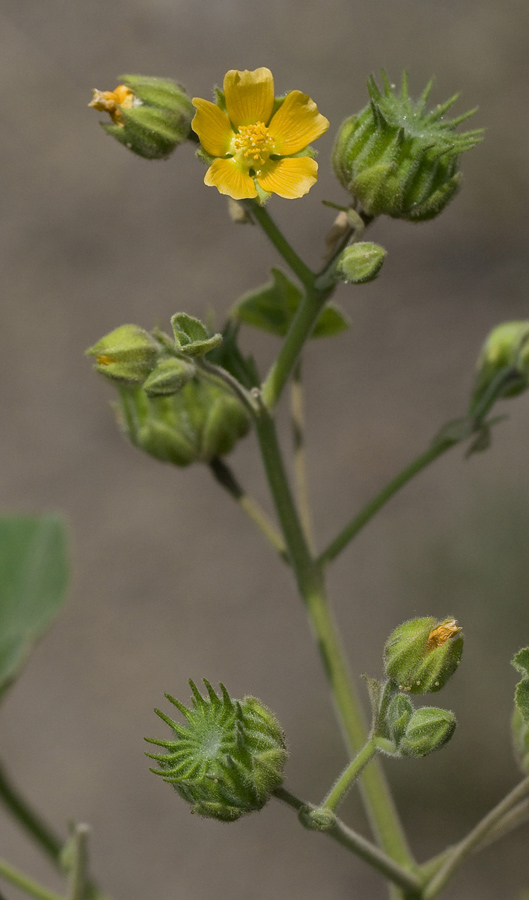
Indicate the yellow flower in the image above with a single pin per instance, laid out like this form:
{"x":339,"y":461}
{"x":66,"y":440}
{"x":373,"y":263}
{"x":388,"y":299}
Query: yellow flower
{"x":111,"y":101}
{"x":256,"y":141}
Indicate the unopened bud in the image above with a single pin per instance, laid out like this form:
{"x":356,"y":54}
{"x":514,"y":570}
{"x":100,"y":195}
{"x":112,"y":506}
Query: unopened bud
{"x":429,"y":729}
{"x":505,"y":352}
{"x":151,"y":116}
{"x":360,"y":262}
{"x":127,"y":355}
{"x":399,"y":713}
{"x":422,"y":654}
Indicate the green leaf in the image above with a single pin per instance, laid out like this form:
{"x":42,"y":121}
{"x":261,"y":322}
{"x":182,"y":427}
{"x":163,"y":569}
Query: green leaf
{"x":33,"y":580}
{"x":273,"y":306}
{"x":521,"y":662}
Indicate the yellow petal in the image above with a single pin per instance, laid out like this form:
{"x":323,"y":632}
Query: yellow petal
{"x":212,"y":126}
{"x":249,"y":96}
{"x":290,"y":178}
{"x":227,"y":176}
{"x":296,"y":123}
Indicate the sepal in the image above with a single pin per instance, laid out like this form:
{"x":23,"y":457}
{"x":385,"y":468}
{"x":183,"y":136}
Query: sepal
{"x":191,"y":335}
{"x":228,"y":757}
{"x":169,"y":376}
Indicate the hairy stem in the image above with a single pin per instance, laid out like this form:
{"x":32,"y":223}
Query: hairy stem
{"x":358,"y":845}
{"x":300,"y":455}
{"x":310,"y":583}
{"x":350,"y":775}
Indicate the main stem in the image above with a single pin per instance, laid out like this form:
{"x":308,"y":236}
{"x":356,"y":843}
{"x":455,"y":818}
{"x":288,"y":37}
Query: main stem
{"x":309,"y":577}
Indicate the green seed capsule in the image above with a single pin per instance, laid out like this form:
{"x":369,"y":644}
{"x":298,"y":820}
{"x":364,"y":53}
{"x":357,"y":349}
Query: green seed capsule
{"x":228,"y":757}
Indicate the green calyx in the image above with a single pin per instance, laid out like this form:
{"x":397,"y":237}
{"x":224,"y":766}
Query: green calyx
{"x":201,"y":421}
{"x":158,"y":122}
{"x":422,"y":654}
{"x":398,"y":160}
{"x":228,"y":757}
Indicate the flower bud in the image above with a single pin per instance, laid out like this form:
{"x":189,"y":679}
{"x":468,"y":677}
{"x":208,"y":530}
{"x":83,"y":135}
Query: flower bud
{"x":360,"y":262}
{"x":422,"y":654}
{"x":520,"y":736}
{"x":199,"y":422}
{"x":429,"y":729}
{"x":169,"y":376}
{"x":397,"y":160}
{"x":506,"y":351}
{"x":399,"y":713}
{"x":151,"y":116}
{"x":127,"y":355}
{"x":228,"y":757}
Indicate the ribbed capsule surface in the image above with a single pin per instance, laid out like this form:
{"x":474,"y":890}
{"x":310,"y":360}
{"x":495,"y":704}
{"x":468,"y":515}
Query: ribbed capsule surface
{"x":228,"y":757}
{"x":397,"y":159}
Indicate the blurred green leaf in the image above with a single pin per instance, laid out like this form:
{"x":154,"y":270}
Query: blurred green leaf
{"x":272,"y":307}
{"x":33,"y":580}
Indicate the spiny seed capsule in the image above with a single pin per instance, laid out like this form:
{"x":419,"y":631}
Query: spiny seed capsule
{"x":227,"y":759}
{"x":422,"y":654}
{"x":398,"y":160}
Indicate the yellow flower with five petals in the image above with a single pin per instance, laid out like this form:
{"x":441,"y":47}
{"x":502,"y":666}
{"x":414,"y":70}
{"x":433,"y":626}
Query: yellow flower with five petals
{"x":257,"y":141}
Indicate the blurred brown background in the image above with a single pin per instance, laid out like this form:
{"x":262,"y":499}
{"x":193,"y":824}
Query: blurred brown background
{"x":170,"y":581}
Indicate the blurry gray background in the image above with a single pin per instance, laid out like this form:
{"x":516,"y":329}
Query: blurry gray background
{"x":170,"y":580}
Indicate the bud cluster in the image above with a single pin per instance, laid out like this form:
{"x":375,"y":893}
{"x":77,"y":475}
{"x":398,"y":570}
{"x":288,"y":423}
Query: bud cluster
{"x":167,"y":407}
{"x":227,"y":759}
{"x":418,"y":732}
{"x":398,"y":160}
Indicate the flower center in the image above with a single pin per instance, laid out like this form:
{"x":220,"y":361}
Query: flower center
{"x":253,"y":145}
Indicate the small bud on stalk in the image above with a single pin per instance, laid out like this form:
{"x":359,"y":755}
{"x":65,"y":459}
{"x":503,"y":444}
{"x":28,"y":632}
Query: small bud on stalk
{"x":151,"y":116}
{"x":506,"y":351}
{"x":397,"y":160}
{"x":422,"y":654}
{"x":360,"y":262}
{"x":428,"y":729}
{"x":227,"y":759}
